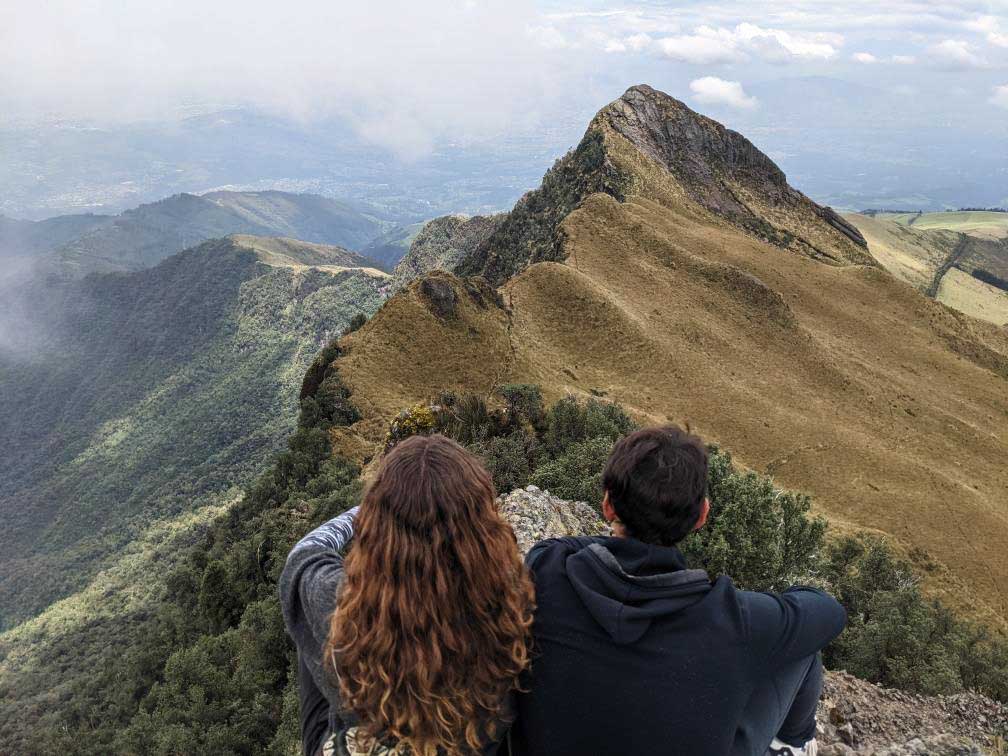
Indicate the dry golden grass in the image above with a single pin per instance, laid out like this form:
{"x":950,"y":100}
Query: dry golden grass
{"x":843,"y":381}
{"x":914,"y":256}
{"x":909,"y":254}
{"x":279,"y":252}
{"x":967,"y":294}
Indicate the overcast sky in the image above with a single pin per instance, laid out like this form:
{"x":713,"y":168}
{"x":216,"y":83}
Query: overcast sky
{"x":412,"y":72}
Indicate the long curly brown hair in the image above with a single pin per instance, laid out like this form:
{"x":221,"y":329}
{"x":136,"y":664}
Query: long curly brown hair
{"x":433,"y":624}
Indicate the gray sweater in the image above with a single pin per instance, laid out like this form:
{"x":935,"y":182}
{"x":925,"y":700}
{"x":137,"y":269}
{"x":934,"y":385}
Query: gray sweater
{"x":309,"y":590}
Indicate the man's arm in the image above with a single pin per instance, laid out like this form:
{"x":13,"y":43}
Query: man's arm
{"x":309,"y":580}
{"x":785,"y":627}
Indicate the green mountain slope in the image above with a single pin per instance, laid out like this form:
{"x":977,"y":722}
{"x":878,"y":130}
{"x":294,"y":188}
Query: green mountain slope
{"x":389,"y":248}
{"x":965,"y":271}
{"x":23,"y":237}
{"x":664,"y":264}
{"x":154,"y":393}
{"x":144,"y":236}
{"x":983,"y":223}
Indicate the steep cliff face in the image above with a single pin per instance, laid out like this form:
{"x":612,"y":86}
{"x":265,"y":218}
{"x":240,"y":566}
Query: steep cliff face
{"x":724,"y":172}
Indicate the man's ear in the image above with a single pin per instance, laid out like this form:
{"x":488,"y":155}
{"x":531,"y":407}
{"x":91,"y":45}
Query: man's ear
{"x":608,"y":510}
{"x":704,"y":511}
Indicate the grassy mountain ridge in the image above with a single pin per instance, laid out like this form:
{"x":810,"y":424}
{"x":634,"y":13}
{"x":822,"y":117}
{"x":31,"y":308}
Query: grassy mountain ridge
{"x":294,"y":253}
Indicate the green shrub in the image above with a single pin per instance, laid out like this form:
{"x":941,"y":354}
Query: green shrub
{"x":577,"y":472}
{"x":523,"y":403}
{"x":466,"y":418}
{"x":897,"y":637}
{"x":508,"y":458}
{"x":571,"y":420}
{"x":761,"y":536}
{"x":418,"y":420}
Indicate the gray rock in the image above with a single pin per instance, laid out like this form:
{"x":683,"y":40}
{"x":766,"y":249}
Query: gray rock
{"x":937,"y":745}
{"x":536,"y":515}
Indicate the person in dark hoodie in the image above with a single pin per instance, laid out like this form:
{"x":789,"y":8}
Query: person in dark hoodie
{"x":635,"y":653}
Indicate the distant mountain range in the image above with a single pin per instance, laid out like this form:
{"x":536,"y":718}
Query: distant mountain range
{"x":144,"y":236}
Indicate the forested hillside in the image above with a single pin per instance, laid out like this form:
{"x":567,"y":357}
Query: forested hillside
{"x":150,"y":395}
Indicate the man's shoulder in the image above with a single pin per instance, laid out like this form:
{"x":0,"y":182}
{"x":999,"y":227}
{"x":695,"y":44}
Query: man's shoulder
{"x":551,"y":549}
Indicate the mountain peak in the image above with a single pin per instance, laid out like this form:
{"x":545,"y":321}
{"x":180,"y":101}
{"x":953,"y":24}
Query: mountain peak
{"x":723,"y":171}
{"x":651,"y":146}
{"x":692,"y":146}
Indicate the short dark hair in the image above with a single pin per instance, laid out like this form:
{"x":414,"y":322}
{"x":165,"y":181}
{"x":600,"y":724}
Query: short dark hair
{"x":656,"y":479}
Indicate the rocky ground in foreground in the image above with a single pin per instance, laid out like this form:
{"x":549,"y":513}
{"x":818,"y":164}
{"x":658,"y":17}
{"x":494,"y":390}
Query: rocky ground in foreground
{"x":856,"y":718}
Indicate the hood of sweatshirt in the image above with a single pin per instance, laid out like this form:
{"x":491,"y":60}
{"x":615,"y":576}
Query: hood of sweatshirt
{"x":626,"y":584}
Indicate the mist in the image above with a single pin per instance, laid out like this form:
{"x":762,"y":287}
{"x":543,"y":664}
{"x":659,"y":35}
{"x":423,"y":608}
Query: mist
{"x":404,"y":73}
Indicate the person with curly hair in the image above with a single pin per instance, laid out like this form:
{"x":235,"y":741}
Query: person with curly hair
{"x":415,"y":641}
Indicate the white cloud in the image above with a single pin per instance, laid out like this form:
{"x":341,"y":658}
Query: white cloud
{"x":817,"y":46}
{"x":632,"y":43}
{"x":548,"y":37}
{"x":990,"y":27}
{"x":712,"y":45}
{"x":701,"y":49}
{"x":1000,"y":97}
{"x":956,"y":53}
{"x":867,"y":58}
{"x":710,"y":90}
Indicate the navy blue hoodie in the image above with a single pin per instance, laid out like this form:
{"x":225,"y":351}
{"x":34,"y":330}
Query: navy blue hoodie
{"x":636,"y":654}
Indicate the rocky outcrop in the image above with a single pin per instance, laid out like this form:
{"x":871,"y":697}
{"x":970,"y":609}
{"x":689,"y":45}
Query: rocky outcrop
{"x":535,"y":515}
{"x":724,"y":172}
{"x":441,"y":244}
{"x":856,"y":718}
{"x":530,"y":233}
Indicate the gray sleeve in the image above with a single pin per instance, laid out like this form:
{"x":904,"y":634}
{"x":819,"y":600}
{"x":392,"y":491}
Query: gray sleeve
{"x":333,"y":535}
{"x":310,"y":581}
